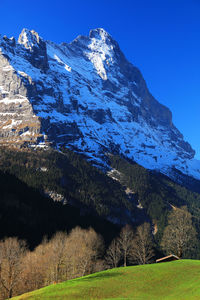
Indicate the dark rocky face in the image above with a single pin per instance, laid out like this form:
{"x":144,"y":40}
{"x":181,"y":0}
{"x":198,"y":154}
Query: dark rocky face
{"x":36,"y":49}
{"x":84,"y":95}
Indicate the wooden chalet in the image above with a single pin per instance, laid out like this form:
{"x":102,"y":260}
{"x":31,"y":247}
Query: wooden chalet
{"x":168,"y":258}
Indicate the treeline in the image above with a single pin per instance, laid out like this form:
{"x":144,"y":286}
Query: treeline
{"x":82,"y":251}
{"x":67,"y":256}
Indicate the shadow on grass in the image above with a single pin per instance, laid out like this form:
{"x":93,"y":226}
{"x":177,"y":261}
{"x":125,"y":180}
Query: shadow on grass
{"x":100,"y":276}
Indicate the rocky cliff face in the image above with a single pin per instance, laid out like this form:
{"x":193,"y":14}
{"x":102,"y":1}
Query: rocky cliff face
{"x":85,"y":95}
{"x":18,"y":122}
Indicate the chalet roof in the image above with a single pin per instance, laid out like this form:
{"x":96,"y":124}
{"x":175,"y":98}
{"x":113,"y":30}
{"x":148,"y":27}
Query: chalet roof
{"x":167,"y":257}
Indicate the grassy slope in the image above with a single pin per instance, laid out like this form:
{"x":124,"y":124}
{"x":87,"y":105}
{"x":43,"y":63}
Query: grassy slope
{"x":174,"y":280}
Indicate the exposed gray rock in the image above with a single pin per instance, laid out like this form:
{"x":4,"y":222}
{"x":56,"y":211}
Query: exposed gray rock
{"x":18,"y":123}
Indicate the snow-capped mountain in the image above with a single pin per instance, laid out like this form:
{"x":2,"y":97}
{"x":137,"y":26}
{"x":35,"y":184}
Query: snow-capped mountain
{"x":87,"y":96}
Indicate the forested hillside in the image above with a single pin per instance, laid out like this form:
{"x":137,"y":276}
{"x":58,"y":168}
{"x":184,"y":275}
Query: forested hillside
{"x":44,"y":191}
{"x":68,"y":178}
{"x":157,"y":193}
{"x":26,"y":213}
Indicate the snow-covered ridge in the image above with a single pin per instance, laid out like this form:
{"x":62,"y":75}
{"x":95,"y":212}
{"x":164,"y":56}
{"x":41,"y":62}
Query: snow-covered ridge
{"x":87,"y":96}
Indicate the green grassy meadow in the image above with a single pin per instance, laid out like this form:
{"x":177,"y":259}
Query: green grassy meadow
{"x":171,"y":280}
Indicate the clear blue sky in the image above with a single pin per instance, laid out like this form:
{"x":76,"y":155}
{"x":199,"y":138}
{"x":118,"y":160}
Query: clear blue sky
{"x":161,"y":37}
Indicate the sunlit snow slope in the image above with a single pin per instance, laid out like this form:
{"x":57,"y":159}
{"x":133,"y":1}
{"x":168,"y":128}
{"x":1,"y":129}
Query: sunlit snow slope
{"x":85,"y":95}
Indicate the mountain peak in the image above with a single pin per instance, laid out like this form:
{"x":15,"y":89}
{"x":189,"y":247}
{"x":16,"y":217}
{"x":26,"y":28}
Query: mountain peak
{"x":29,"y":38}
{"x":99,"y":33}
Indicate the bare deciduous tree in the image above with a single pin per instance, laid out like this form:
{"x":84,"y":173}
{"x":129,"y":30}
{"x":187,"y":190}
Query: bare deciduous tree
{"x":113,"y":254}
{"x":57,"y":250}
{"x":99,"y":265}
{"x":61,"y":258}
{"x":125,"y":241}
{"x":12,"y":251}
{"x":83,"y":250}
{"x":180,"y":235}
{"x":36,"y":267}
{"x":142,"y":247}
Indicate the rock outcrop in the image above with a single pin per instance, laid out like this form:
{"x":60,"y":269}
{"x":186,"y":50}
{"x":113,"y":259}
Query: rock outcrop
{"x":18,"y":123}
